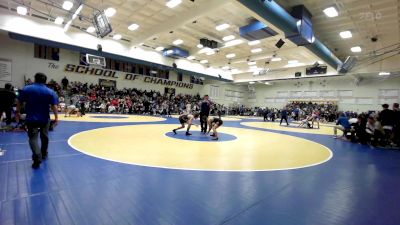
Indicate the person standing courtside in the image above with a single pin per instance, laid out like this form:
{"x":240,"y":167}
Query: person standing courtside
{"x":284,"y":115}
{"x":38,"y":99}
{"x":7,"y":99}
{"x":205,"y":107}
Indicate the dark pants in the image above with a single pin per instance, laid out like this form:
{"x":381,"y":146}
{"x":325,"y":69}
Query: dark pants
{"x":33,"y":132}
{"x":8,"y":111}
{"x":203,"y":121}
{"x":284,"y":118}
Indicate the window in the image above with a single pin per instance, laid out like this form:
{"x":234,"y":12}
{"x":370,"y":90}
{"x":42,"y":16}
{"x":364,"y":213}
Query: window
{"x":180,"y":76}
{"x":195,"y":80}
{"x":141,"y":70}
{"x":46,"y":52}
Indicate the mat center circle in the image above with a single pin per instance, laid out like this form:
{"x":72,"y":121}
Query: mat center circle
{"x":199,"y":136}
{"x":153,"y":145}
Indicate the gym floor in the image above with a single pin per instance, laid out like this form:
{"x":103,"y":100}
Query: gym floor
{"x":120,"y":169}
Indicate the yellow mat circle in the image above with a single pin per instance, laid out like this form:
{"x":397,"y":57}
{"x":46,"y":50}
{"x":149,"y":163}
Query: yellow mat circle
{"x":327,"y":130}
{"x":147,"y":145}
{"x":110,"y":118}
{"x":223,"y":118}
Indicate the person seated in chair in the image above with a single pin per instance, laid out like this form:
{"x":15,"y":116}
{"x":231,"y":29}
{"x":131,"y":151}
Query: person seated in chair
{"x":374,"y":131}
{"x":358,"y":131}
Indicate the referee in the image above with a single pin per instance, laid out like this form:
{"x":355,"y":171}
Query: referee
{"x":205,"y":107}
{"x":38,"y":99}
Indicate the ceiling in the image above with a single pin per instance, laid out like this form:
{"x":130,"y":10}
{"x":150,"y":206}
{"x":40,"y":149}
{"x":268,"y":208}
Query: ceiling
{"x":192,"y":20}
{"x":364,"y":18}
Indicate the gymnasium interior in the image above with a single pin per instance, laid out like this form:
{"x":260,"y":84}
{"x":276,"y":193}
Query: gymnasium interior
{"x":201,"y":112}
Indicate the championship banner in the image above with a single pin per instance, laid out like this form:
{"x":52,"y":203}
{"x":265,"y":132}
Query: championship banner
{"x":82,"y":69}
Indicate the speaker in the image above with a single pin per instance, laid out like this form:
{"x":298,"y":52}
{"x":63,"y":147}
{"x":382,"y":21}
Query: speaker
{"x":297,"y":74}
{"x":208,"y":43}
{"x":280,"y":43}
{"x":174,"y":65}
{"x":99,"y":48}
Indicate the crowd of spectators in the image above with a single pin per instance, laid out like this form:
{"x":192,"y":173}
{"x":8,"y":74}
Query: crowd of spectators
{"x":99,"y":99}
{"x":380,"y":128}
{"x":376,"y":129}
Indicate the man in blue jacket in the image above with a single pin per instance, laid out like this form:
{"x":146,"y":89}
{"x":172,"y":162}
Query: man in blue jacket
{"x":342,"y":124}
{"x":38,"y":100}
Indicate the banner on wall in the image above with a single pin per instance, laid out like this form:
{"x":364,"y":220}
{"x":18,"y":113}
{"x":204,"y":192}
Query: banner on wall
{"x":86,"y":70}
{"x":5,"y":70}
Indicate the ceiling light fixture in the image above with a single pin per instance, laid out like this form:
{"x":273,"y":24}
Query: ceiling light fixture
{"x":200,"y":46}
{"x":205,"y":50}
{"x":117,"y":37}
{"x":59,"y":20}
{"x":173,"y":3}
{"x":225,"y":68}
{"x":356,"y":49}
{"x":256,"y":50}
{"x":91,"y":29}
{"x":384,"y":73}
{"x":251,"y":63}
{"x":233,"y":43}
{"x":346,"y":34}
{"x":253,"y":67}
{"x":293,"y":61}
{"x":256,"y":42}
{"x":331,"y":11}
{"x":191,"y":57}
{"x":67,"y":5}
{"x":222,"y":26}
{"x":231,"y":55}
{"x":276,"y":59}
{"x":133,"y":26}
{"x":204,"y":61}
{"x":210,"y":52}
{"x":177,"y":42}
{"x":110,"y":12}
{"x":22,"y":10}
{"x":228,"y":38}
{"x":159,"y":49}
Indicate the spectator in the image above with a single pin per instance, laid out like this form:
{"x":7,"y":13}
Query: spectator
{"x":65,"y":83}
{"x":386,"y":118}
{"x":342,"y":124}
{"x":396,"y":128}
{"x":284,"y":115}
{"x":7,"y":100}
{"x":38,"y":99}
